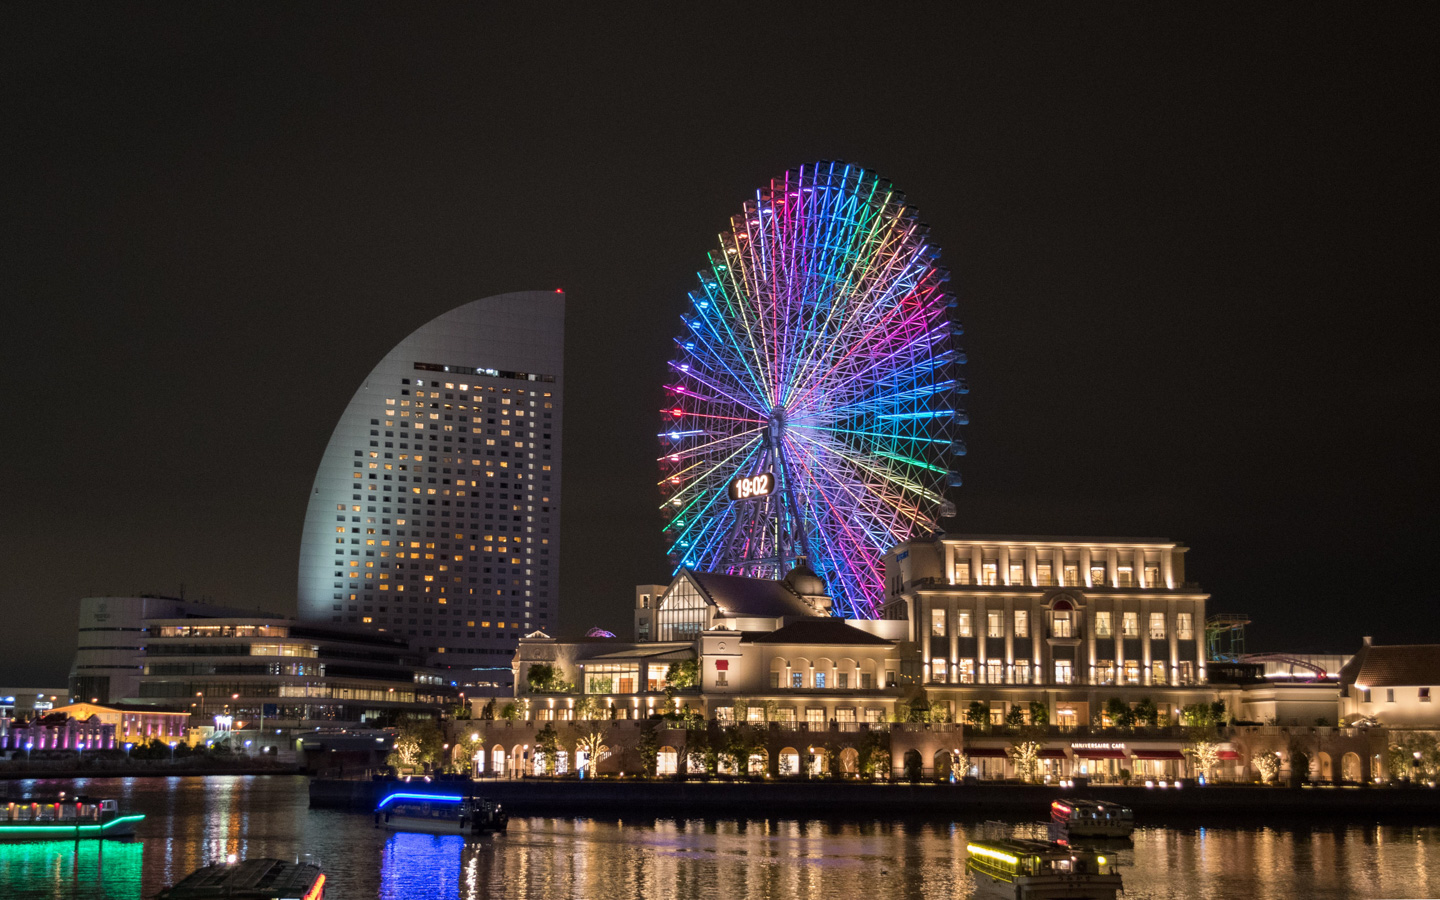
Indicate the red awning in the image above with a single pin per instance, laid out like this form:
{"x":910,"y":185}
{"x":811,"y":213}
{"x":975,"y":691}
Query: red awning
{"x":1159,"y":754}
{"x":1100,"y":754}
{"x":985,"y":753}
{"x":1229,"y":754}
{"x":1052,"y":754}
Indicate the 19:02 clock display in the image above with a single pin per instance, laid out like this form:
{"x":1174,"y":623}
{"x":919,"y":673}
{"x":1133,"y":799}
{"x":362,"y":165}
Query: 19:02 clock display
{"x":755,"y":486}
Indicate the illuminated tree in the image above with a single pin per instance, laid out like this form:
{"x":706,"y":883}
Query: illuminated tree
{"x":1026,"y":755}
{"x":1268,"y":765}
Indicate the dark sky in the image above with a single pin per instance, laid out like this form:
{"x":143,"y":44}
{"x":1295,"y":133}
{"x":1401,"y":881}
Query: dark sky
{"x":1194,"y":253}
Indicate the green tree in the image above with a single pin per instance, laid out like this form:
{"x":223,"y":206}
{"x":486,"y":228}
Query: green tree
{"x":547,"y":747}
{"x":1015,"y":718}
{"x":1146,"y":713}
{"x":874,"y":752}
{"x":939,"y":711}
{"x":509,"y":712}
{"x":740,"y":711}
{"x":649,"y":746}
{"x":1120,"y":714}
{"x":977,"y":715}
{"x":918,"y":710}
{"x":1039,"y":714}
{"x":544,"y":678}
{"x":488,"y":712}
{"x":684,"y":674}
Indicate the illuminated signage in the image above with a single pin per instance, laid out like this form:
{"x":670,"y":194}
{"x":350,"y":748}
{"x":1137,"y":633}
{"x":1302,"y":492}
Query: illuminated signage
{"x":753,"y":487}
{"x":1097,"y":745}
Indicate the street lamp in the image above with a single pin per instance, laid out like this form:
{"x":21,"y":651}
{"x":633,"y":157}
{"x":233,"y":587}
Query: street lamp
{"x":29,"y":745}
{"x":129,"y":745}
{"x":172,"y":752}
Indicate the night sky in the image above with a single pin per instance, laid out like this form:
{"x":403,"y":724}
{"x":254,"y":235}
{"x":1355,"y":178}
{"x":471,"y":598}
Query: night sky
{"x":1194,"y":256}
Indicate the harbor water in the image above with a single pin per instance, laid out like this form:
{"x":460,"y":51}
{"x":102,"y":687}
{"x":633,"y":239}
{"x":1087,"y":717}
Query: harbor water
{"x":192,"y":822}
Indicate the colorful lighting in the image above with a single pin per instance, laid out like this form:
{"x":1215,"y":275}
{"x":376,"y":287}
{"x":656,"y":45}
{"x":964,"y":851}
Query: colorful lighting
{"x":72,"y":829}
{"x":988,"y":853}
{"x":817,"y":346}
{"x":433,"y":798}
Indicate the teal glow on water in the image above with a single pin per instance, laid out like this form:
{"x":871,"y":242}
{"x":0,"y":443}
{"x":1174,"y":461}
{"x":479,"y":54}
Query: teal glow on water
{"x":192,"y":822}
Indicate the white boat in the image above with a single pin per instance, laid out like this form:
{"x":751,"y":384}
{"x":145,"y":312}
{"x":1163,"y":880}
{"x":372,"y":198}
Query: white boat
{"x":1041,"y":870}
{"x":1093,"y":818}
{"x":440,"y":814}
{"x":64,"y":819}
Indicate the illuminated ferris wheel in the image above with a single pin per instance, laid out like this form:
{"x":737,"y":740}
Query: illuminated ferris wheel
{"x":812,"y":401}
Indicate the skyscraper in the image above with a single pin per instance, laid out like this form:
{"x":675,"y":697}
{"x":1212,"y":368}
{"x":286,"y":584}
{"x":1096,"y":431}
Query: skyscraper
{"x":435,"y":513}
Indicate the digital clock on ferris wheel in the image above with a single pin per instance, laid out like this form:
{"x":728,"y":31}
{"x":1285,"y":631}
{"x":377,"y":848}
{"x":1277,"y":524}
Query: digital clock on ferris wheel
{"x":753,"y":487}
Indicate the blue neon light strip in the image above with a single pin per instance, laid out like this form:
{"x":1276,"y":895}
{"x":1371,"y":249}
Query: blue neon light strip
{"x":434,"y":798}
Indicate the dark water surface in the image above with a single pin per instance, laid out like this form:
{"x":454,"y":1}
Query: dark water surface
{"x":194,"y":821}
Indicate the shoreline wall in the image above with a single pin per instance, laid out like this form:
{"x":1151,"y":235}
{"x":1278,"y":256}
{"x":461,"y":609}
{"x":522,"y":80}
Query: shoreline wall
{"x":609,"y":798}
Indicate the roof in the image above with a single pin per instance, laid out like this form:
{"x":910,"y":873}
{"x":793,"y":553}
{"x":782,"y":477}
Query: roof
{"x":253,"y":878}
{"x":825,"y":630}
{"x":642,"y":651}
{"x":737,"y":595}
{"x":1393,"y":665}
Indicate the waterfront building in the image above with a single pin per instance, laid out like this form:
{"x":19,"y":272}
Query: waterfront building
{"x":1392,"y":685}
{"x":133,"y":724}
{"x":1104,"y":672}
{"x":274,"y":676}
{"x":109,"y":647}
{"x":58,"y":731}
{"x":435,"y":511}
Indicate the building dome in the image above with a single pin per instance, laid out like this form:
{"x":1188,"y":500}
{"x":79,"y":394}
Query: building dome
{"x":805,"y":582}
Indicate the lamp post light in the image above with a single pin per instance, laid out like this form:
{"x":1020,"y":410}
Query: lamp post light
{"x":129,"y":745}
{"x":172,"y":752}
{"x":29,"y":745}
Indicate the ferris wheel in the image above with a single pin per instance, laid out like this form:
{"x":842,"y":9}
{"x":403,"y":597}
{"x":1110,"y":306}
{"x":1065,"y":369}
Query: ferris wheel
{"x":812,"y":402}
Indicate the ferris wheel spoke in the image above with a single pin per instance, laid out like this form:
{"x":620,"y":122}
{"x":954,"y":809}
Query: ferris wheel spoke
{"x":815,"y":347}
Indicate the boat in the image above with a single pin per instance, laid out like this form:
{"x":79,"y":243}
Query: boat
{"x":440,"y":814}
{"x":1093,"y":818}
{"x":64,"y":819}
{"x":251,"y":879}
{"x":1041,"y":870}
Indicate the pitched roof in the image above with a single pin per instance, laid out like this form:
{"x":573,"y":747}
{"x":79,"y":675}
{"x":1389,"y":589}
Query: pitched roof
{"x":825,"y":630}
{"x":1393,"y":665}
{"x":741,"y":596}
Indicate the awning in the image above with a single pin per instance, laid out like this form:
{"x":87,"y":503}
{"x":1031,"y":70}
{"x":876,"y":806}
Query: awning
{"x":985,"y":753}
{"x":1229,"y":754}
{"x":1100,"y":754}
{"x":1052,"y":754}
{"x":1159,"y":754}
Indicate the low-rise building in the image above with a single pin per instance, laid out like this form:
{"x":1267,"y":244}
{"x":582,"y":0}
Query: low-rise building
{"x":1394,"y":685}
{"x":133,"y":724}
{"x":996,"y":657}
{"x":59,"y":731}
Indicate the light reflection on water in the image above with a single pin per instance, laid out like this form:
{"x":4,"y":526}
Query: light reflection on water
{"x":192,"y":822}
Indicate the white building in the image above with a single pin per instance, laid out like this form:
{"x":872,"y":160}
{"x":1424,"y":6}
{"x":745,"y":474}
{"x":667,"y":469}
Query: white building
{"x":435,"y":513}
{"x":109,"y":650}
{"x":1393,"y":685}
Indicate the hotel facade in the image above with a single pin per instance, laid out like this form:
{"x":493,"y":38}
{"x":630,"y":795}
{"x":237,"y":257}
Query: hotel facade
{"x":1091,"y":648}
{"x":435,"y":511}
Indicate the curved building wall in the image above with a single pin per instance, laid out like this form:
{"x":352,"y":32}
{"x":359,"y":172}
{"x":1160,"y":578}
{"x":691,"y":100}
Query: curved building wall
{"x":435,"y":513}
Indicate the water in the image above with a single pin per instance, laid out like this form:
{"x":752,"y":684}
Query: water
{"x":193,"y":821}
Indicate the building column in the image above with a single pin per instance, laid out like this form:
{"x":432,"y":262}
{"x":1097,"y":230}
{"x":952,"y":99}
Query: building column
{"x":1167,"y":569}
{"x":977,"y":626}
{"x":977,"y":561}
{"x":1085,"y":567}
{"x":1144,"y":640}
{"x":953,"y":628}
{"x":1030,"y":557}
{"x":1009,"y":625}
{"x":1112,"y":567}
{"x":1003,"y":561}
